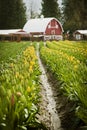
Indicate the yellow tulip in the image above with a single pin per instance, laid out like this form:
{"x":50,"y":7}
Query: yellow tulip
{"x":28,"y":89}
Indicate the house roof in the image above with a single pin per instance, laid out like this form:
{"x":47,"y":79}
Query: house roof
{"x":11,"y":31}
{"x":38,"y":25}
{"x":81,"y":32}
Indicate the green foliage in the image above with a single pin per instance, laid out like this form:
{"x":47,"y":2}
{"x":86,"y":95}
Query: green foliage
{"x":19,"y":89}
{"x":70,"y":69}
{"x":10,"y":50}
{"x":50,"y":8}
{"x":12,"y":14}
{"x":78,"y":50}
{"x":74,"y":14}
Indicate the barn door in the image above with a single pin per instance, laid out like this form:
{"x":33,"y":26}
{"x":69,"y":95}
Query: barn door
{"x":52,"y":34}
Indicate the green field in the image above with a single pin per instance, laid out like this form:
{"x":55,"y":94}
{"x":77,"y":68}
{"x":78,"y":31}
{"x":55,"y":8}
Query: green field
{"x":19,"y":87}
{"x":19,"y":80}
{"x":11,"y":50}
{"x":67,"y":60}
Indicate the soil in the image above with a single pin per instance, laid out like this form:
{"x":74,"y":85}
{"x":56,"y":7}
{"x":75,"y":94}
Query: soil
{"x":45,"y":116}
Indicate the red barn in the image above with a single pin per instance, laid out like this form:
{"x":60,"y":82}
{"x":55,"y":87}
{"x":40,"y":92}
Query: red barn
{"x":44,"y":28}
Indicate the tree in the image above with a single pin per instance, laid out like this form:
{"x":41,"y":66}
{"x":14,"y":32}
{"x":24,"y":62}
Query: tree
{"x":75,"y":14}
{"x":33,"y":13}
{"x":12,"y":14}
{"x":50,"y":8}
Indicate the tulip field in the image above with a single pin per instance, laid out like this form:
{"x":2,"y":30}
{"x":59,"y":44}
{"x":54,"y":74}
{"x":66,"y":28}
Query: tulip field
{"x":20,"y":85}
{"x":67,"y":60}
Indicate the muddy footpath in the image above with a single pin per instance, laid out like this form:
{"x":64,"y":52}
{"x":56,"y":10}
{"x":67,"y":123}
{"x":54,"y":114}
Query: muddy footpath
{"x":48,"y":104}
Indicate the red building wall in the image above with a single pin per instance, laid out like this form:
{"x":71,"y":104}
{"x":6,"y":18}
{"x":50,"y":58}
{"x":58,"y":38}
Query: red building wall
{"x":53,"y":28}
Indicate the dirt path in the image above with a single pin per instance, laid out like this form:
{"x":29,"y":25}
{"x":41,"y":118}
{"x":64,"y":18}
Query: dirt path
{"x":48,"y":113}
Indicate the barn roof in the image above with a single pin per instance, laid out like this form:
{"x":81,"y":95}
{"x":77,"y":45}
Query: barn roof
{"x":10,"y":31}
{"x":38,"y":25}
{"x":81,"y":32}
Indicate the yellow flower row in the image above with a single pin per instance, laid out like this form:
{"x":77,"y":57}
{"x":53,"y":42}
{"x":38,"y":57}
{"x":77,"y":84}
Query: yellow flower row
{"x":27,"y":63}
{"x":29,"y":58}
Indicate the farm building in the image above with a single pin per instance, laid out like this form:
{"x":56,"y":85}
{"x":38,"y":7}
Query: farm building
{"x":12,"y":34}
{"x":80,"y":34}
{"x":44,"y":29}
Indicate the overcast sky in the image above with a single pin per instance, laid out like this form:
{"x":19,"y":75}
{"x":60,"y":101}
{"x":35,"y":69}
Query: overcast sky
{"x":36,"y":5}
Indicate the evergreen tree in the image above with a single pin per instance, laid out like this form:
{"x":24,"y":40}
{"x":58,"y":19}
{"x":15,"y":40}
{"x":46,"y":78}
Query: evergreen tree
{"x":20,"y":13}
{"x":12,"y":14}
{"x":50,"y":8}
{"x":75,"y":14}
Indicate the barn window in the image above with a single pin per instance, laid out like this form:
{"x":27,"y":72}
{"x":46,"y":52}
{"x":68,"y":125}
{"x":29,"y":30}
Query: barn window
{"x":49,"y":26}
{"x":53,"y":32}
{"x":78,"y":36}
{"x":56,"y":25}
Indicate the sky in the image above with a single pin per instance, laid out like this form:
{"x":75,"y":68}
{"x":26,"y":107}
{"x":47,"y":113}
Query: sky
{"x":36,"y":5}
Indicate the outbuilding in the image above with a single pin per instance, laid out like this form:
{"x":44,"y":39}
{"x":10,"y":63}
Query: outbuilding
{"x":13,"y":34}
{"x":44,"y":29}
{"x":80,"y":34}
